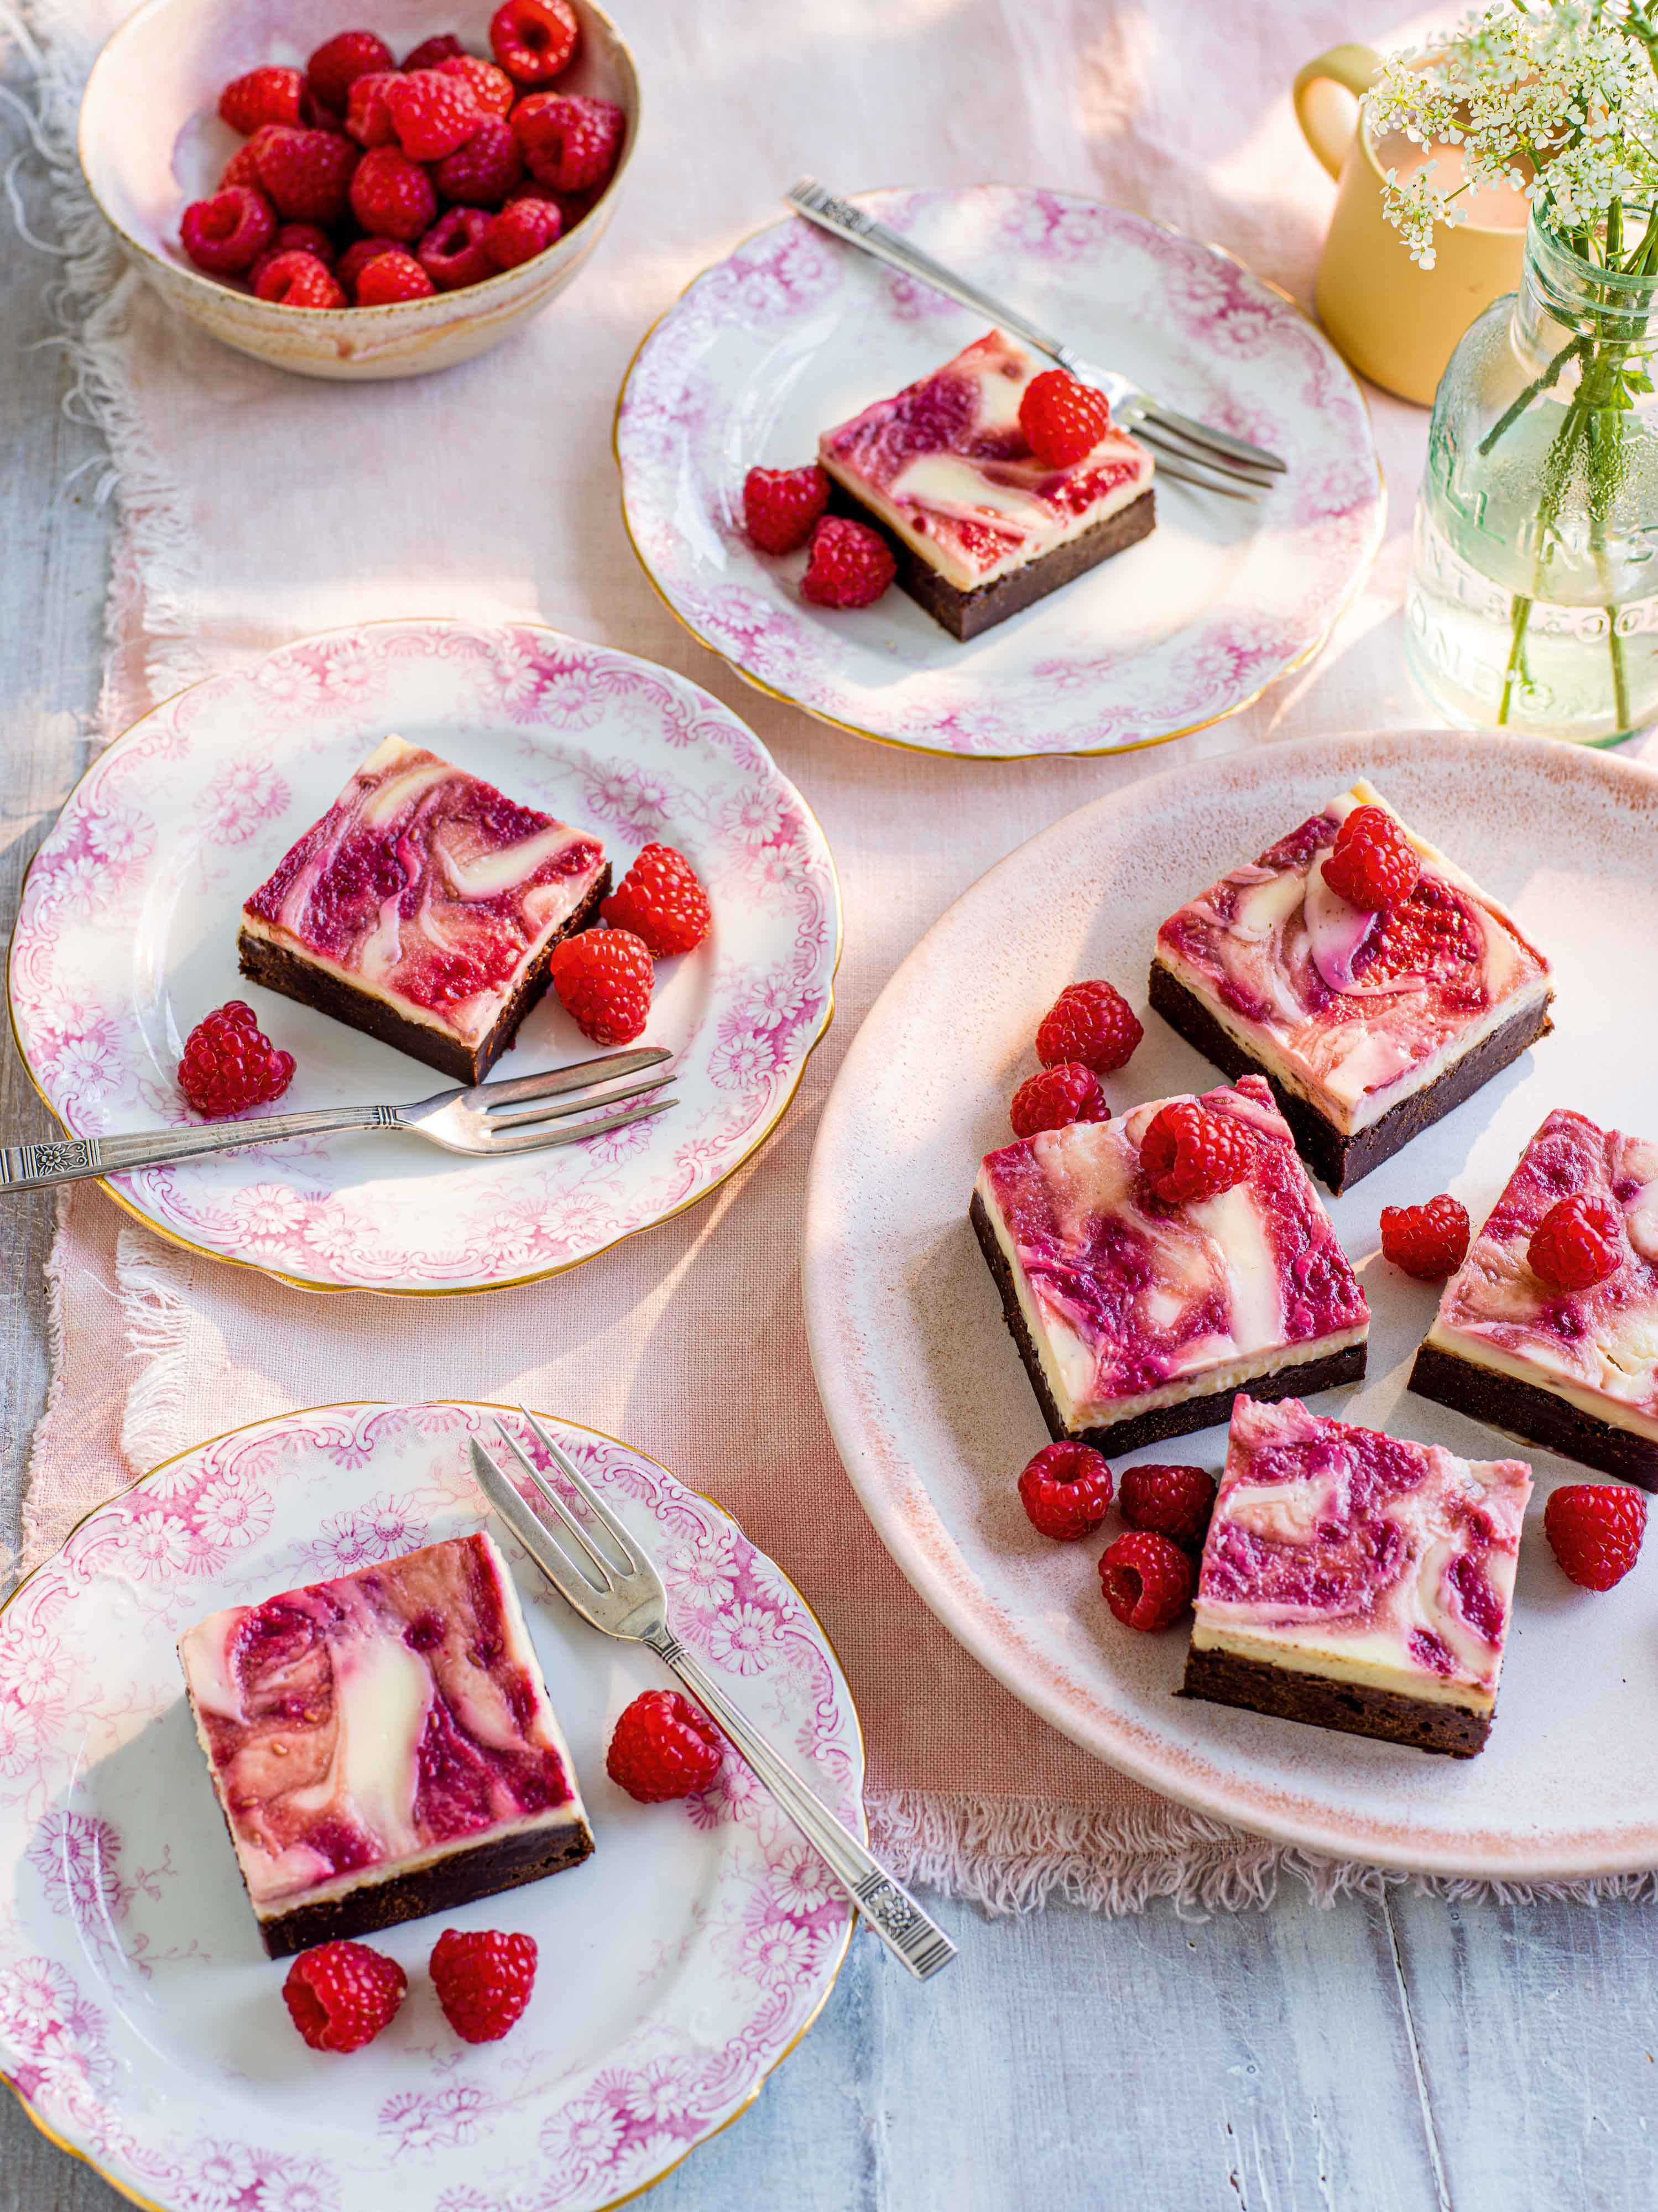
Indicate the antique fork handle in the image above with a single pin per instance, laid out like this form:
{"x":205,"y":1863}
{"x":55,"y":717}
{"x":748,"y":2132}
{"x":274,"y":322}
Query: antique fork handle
{"x":71,"y":1159}
{"x":893,"y":1913}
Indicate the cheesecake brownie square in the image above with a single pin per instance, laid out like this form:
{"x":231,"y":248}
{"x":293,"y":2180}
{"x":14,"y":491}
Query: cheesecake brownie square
{"x":1575,"y":1370}
{"x":1138,"y":1318}
{"x":382,"y":1745}
{"x":980,"y":527}
{"x":1357,"y":1581}
{"x":423,"y":908}
{"x":1369,"y":1027}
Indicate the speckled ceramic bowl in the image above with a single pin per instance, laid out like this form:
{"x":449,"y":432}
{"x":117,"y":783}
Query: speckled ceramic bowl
{"x":151,"y":141}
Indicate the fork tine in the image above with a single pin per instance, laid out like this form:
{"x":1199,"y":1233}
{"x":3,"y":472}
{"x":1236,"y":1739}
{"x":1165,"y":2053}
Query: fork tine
{"x":580,"y":1075}
{"x":602,"y":1565}
{"x":555,"y":1112}
{"x":1204,"y":433}
{"x":579,"y":1580}
{"x":1169,"y":468}
{"x":584,"y":1489}
{"x":537,"y":1140}
{"x":1182,"y":447}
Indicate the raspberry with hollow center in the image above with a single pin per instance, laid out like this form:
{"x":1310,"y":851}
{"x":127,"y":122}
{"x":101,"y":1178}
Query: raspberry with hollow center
{"x":484,"y":170}
{"x":431,"y":54}
{"x":307,"y":174}
{"x":1147,"y":1579}
{"x":492,"y":91}
{"x":1057,"y":1098}
{"x":534,"y":40}
{"x":299,"y":279}
{"x":569,"y":140}
{"x":340,"y":61}
{"x":1063,"y":420}
{"x":523,"y":228}
{"x":392,"y":197}
{"x":849,"y":565}
{"x":1429,"y":1242}
{"x":341,"y":1994}
{"x":1092,"y":1023}
{"x":1066,"y":1491}
{"x":663,"y":1747}
{"x":453,"y":253}
{"x":229,"y":1064}
{"x":1577,"y":1244}
{"x":604,"y":979}
{"x":781,"y":507}
{"x":483,"y":1979}
{"x":368,"y":117}
{"x":228,"y":232}
{"x":1373,"y":864}
{"x":431,"y":114}
{"x":1189,"y":1153}
{"x":1175,"y":1502}
{"x":1595,"y":1530}
{"x":263,"y":95}
{"x":388,"y":278}
{"x":661,"y":900}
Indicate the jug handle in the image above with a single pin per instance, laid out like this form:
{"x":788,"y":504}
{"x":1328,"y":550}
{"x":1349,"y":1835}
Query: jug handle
{"x":1354,"y":68}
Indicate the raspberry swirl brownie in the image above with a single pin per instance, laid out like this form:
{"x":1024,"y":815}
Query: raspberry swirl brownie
{"x":1139,"y":1317}
{"x":423,"y":908}
{"x":1561,"y":1348}
{"x":1370,"y":1022}
{"x":1357,"y":1581}
{"x":382,"y":1745}
{"x":980,"y":527}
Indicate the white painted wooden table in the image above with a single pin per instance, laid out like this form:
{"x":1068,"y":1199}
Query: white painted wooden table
{"x":1389,"y":2057}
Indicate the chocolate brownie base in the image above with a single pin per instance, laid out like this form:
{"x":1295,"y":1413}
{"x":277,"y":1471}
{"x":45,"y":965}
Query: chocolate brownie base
{"x":297,"y":977}
{"x":1338,"y":1160}
{"x":1535,"y":1415}
{"x":1226,"y":1679}
{"x":967,"y":614}
{"x":1296,"y":1381}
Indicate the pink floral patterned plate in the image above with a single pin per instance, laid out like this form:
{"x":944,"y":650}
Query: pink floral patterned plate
{"x":127,"y":936}
{"x":794,"y":332}
{"x":140,"y":2020}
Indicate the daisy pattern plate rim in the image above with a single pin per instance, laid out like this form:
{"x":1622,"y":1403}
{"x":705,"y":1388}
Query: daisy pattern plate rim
{"x":955,"y":734}
{"x":790,"y":846}
{"x":749,"y":1825}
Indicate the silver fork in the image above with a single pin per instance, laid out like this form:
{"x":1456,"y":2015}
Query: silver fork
{"x":1193,"y":452}
{"x":475,"y":1119}
{"x":615,"y":1587}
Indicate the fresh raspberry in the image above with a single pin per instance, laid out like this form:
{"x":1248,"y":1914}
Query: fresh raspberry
{"x":1092,"y":1023}
{"x":484,"y":1980}
{"x":341,"y":1994}
{"x":663,"y":1747}
{"x":523,"y":228}
{"x":1595,"y":1530}
{"x":1576,"y":1244}
{"x":229,"y":1064}
{"x":484,"y":170}
{"x":1175,"y":1502}
{"x":1374,"y":865}
{"x":1188,"y":1152}
{"x":340,"y":61}
{"x":431,"y":114}
{"x":661,"y":900}
{"x":367,"y":118}
{"x":389,"y":277}
{"x":299,"y":279}
{"x":604,"y":978}
{"x":534,"y":40}
{"x":1063,"y":421}
{"x":850,"y":564}
{"x":263,"y":95}
{"x":1056,"y":1097}
{"x":356,"y":258}
{"x":1066,"y":1491}
{"x":781,"y":507}
{"x":228,"y":232}
{"x":305,"y":238}
{"x":1429,"y":1242}
{"x":569,"y":141}
{"x":392,"y":197}
{"x":431,"y":54}
{"x":1146,"y":1578}
{"x":453,"y":253}
{"x":243,"y":168}
{"x":492,"y":91}
{"x":308,"y":174}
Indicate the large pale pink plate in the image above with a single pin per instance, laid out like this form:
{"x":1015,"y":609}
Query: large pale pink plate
{"x":930,"y":1405}
{"x":127,"y":936}
{"x":794,"y":332}
{"x":139,"y":2019}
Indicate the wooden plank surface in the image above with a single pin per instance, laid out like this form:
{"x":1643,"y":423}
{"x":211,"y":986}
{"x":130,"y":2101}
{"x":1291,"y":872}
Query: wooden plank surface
{"x":1403,"y":2058}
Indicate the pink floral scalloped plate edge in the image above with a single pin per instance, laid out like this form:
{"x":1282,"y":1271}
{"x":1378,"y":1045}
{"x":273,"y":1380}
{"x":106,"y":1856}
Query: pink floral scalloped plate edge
{"x":126,"y":936}
{"x":794,"y":332}
{"x":139,"y":2019}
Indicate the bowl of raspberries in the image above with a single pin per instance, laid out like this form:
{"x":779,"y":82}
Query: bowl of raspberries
{"x":359,"y":198}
